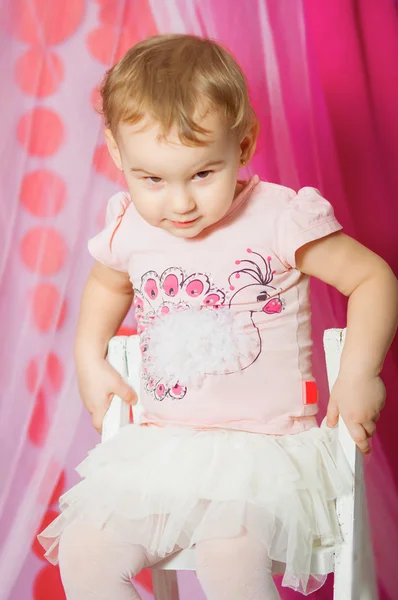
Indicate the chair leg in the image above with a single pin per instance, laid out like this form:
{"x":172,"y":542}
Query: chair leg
{"x":354,"y":571}
{"x":344,"y":586}
{"x":165,"y":585}
{"x":367,"y":586}
{"x":368,"y":581}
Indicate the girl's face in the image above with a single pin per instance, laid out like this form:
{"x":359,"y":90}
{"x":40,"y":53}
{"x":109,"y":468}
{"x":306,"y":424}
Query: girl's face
{"x":180,"y":188}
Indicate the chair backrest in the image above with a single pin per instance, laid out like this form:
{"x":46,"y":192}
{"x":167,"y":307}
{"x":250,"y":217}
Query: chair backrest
{"x":333,"y":342}
{"x":354,"y":558}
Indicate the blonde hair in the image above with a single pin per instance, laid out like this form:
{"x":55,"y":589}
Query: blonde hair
{"x":170,"y":77}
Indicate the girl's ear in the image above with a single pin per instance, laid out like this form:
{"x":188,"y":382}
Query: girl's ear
{"x":113,"y":149}
{"x":249,"y":142}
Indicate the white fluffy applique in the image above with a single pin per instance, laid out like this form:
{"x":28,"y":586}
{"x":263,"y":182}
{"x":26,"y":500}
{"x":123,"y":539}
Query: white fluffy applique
{"x":186,"y":345}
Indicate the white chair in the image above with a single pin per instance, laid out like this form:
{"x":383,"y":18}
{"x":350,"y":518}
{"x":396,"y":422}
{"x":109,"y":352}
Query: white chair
{"x":351,"y":562}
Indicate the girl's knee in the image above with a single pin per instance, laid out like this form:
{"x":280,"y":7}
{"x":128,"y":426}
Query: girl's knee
{"x":94,"y":553}
{"x":235,"y":568}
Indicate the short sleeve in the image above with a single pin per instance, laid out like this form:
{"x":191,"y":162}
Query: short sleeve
{"x":109,"y":246}
{"x":306,"y":217}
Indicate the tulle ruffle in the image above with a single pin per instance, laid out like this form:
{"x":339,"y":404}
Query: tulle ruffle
{"x":187,"y":344}
{"x":170,"y":488}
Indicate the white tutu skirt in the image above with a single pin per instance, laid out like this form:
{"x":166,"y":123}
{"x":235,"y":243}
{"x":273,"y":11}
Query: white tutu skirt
{"x":170,"y":488}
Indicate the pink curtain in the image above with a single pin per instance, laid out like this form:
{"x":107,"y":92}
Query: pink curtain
{"x":324,"y":82}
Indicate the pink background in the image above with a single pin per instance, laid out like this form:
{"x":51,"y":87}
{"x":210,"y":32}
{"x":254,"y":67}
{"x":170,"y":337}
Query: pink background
{"x":324,"y":81}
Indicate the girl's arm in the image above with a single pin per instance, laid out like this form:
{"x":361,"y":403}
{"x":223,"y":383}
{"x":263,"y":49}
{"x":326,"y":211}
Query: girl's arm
{"x":372,"y":319}
{"x":106,"y":300}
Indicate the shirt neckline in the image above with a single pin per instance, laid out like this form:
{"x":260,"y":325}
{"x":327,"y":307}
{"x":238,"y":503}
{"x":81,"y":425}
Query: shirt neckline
{"x":240,"y":199}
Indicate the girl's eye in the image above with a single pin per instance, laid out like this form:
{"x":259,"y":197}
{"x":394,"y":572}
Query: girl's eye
{"x":154,"y":179}
{"x":202,"y":174}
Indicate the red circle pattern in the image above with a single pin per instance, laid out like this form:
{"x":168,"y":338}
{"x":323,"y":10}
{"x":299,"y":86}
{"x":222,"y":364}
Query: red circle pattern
{"x":104,"y":164}
{"x":39,"y":72}
{"x":39,"y":421}
{"x":120,"y":29}
{"x":48,"y":372}
{"x":59,"y":489}
{"x":144,"y":578}
{"x":96,"y":100}
{"x":44,"y":381}
{"x":48,"y":584}
{"x":42,"y":22}
{"x":41,"y":132}
{"x":48,"y":309}
{"x":43,"y":250}
{"x":125,"y":14}
{"x":53,"y":474}
{"x":43,"y":193}
{"x":101,"y":43}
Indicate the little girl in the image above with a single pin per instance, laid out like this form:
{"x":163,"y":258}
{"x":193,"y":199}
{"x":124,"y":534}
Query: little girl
{"x":228,"y":455}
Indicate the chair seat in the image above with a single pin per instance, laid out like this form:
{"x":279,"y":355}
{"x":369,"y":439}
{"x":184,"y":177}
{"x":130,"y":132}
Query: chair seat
{"x":322,"y":562}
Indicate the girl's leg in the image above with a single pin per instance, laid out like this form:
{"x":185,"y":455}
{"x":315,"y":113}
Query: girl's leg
{"x":95,"y":566}
{"x":235,"y":568}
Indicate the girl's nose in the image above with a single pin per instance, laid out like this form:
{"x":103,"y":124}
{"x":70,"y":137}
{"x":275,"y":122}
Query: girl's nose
{"x":182,"y":202}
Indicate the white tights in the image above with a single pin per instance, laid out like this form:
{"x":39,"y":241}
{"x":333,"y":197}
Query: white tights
{"x":95,"y":566}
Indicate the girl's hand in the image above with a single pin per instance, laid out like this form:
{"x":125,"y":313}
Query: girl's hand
{"x":359,"y":400}
{"x":98,"y":383}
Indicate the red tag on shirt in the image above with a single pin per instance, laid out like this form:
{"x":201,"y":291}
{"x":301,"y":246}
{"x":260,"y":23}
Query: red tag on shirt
{"x":310,"y":392}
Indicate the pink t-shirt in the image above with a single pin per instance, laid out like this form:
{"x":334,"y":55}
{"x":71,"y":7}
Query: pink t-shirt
{"x":224,"y":319}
